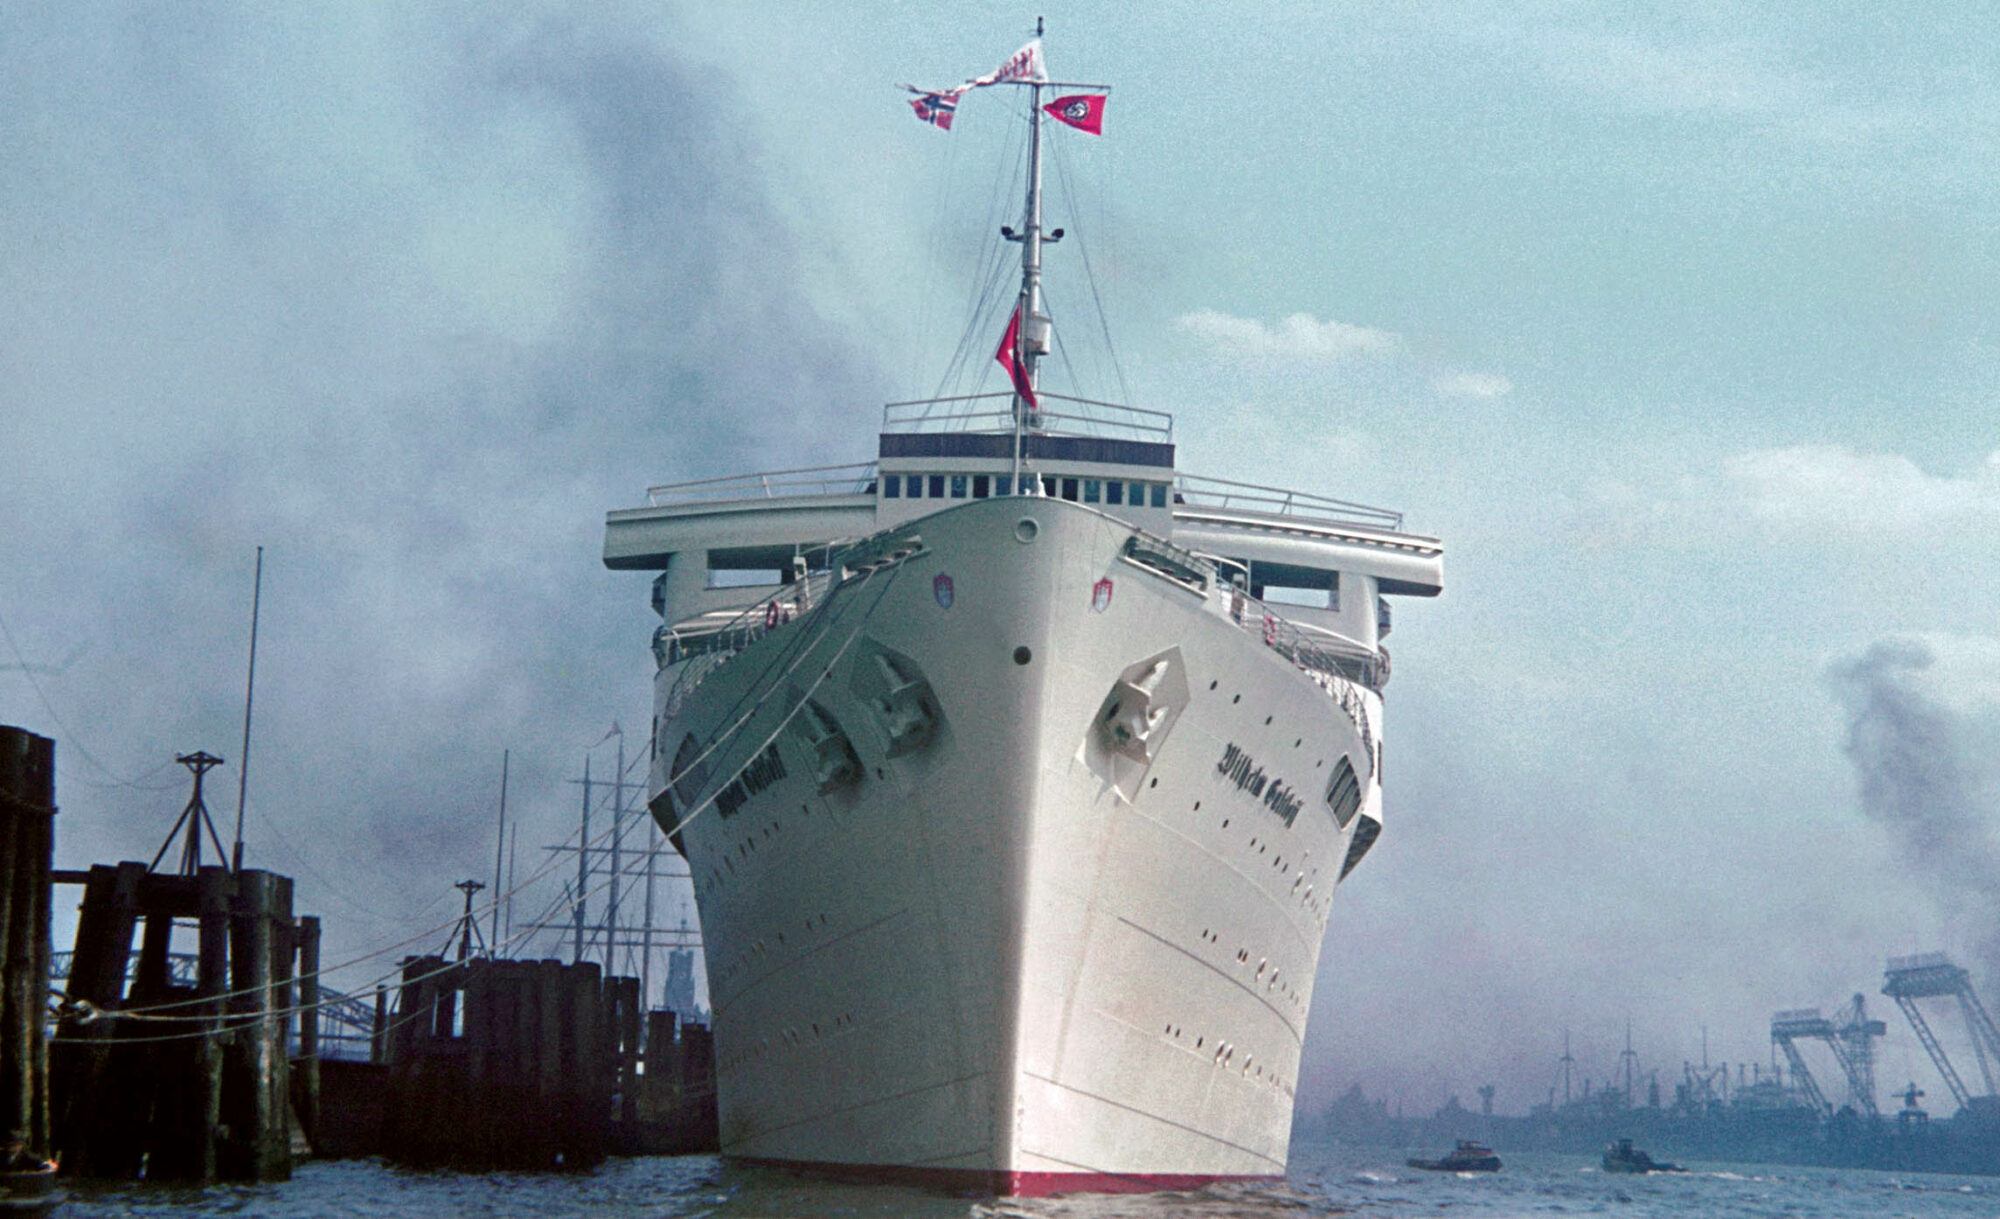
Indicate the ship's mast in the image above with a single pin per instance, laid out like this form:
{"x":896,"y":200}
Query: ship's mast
{"x":1033,"y":340}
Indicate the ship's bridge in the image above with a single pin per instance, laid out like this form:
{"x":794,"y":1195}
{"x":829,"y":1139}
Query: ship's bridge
{"x":725,"y":543}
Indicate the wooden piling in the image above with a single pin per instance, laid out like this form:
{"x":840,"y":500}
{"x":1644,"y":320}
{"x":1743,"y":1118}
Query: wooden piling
{"x":255,"y":1071}
{"x":306,"y":1067}
{"x":213,"y":887}
{"x":27,"y":840}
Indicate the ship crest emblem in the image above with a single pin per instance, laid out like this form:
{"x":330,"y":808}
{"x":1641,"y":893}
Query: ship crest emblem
{"x":1100,"y":595}
{"x":942,"y":590}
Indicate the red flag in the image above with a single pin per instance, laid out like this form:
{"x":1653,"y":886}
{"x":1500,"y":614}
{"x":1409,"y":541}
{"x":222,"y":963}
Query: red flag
{"x":1083,"y":111}
{"x":1009,"y":356}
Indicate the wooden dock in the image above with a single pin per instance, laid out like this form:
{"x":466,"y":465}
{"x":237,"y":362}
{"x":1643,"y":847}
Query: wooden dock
{"x":188,"y":1083}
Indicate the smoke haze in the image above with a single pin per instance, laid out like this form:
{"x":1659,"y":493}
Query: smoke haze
{"x":1924,"y":737}
{"x":411,"y":300}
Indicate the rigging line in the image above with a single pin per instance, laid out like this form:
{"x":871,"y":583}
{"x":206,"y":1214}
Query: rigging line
{"x":555,"y":860}
{"x":801,"y":644}
{"x":1090,"y":276}
{"x":933,"y":258}
{"x":992,"y":250}
{"x":75,"y":742}
{"x":804,"y":698}
{"x":149,"y":1012}
{"x":137,"y":783}
{"x":984,"y":314}
{"x":228,"y":1022}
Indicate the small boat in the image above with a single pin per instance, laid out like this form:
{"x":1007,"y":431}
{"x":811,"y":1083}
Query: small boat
{"x":1621,"y":1156}
{"x":1466,"y":1157}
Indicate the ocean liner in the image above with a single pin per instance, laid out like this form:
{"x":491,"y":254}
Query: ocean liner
{"x":1014,"y":800}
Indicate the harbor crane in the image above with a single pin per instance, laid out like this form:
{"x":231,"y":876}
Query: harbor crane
{"x":1852,"y":1043}
{"x":1931,"y":975}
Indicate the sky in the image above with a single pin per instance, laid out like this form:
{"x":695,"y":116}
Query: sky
{"x":1674,"y":322}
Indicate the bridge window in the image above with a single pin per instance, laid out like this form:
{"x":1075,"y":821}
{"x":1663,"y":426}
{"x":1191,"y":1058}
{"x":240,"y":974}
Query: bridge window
{"x":1091,"y":490}
{"x":1114,"y":492}
{"x":937,"y":486}
{"x":958,"y":486}
{"x":1159,"y":495}
{"x":982,"y":486}
{"x":892,"y":486}
{"x":1343,"y":794}
{"x":1069,"y":489}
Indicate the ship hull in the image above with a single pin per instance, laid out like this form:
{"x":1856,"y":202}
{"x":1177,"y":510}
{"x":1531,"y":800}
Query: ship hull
{"x":1013,"y":861}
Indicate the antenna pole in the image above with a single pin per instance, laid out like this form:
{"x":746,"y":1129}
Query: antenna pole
{"x":249,"y":692}
{"x":499,"y":849}
{"x":582,"y":866}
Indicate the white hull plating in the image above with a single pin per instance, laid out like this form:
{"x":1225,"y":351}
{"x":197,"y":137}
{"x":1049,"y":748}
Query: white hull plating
{"x":954,"y":920}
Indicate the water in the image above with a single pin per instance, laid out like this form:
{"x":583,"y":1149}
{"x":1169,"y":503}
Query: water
{"x":1324,"y":1181}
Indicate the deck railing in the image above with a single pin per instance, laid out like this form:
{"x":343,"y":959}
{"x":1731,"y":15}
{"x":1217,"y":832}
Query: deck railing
{"x":1197,"y":491}
{"x":855,"y":478}
{"x":1061,"y":415}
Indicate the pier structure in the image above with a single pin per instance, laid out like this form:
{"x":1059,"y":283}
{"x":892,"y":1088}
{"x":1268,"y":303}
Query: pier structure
{"x":170,"y":1078}
{"x":537,"y":1065}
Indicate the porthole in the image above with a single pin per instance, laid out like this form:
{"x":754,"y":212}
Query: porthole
{"x":1026,"y":529}
{"x":1237,"y":699}
{"x":1022,"y":655}
{"x":1267,"y":721}
{"x":1211,"y":685}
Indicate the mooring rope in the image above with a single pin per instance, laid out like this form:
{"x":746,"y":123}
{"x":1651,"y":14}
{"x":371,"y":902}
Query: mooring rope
{"x":152,"y":1012}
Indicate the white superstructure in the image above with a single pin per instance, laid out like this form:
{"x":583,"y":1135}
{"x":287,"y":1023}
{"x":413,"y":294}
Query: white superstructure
{"x":1014,"y":803}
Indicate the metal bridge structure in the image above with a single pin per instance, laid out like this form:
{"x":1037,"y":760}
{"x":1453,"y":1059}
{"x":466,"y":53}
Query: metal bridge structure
{"x":1931,"y":975}
{"x":348,"y":1023}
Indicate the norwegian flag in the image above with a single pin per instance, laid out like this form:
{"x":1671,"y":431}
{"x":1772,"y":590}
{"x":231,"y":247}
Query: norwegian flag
{"x":1010,"y":359}
{"x":936,"y":109}
{"x":937,"y":106}
{"x":1083,"y":111}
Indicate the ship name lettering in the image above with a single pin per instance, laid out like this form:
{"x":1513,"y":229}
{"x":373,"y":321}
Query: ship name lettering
{"x":1238,"y":768}
{"x":1283,"y":801}
{"x":763,"y":770}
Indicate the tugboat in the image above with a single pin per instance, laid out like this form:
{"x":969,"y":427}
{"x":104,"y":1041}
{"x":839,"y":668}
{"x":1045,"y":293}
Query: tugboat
{"x":1466,"y":1157}
{"x":1621,"y":1156}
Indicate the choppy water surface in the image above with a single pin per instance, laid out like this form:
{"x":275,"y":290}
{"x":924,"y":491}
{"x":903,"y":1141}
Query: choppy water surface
{"x":1324,"y":1181}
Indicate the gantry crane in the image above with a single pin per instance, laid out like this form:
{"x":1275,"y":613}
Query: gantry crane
{"x":1852,"y":1043}
{"x":1931,"y":976}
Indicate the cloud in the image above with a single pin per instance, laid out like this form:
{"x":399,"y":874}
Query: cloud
{"x":1822,"y":493}
{"x":1298,"y":337}
{"x":1836,"y":489}
{"x":1472,"y":385}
